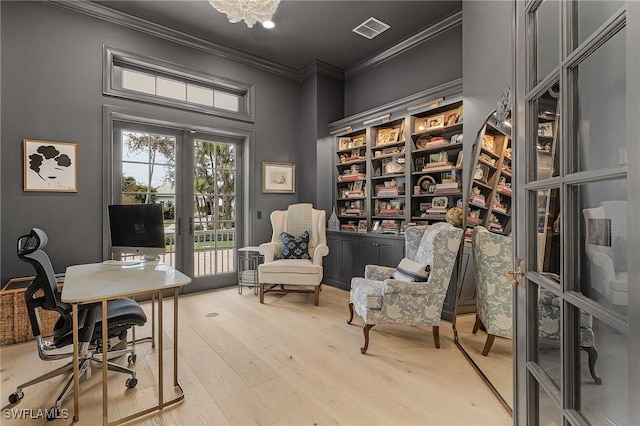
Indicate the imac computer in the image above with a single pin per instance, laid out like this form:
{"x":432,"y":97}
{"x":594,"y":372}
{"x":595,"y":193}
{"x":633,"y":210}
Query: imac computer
{"x":137,"y":229}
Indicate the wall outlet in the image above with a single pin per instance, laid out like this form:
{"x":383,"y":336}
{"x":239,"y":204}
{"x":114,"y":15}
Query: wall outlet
{"x":259,"y":214}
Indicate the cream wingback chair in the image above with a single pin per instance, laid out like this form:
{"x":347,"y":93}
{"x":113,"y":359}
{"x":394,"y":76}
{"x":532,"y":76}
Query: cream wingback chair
{"x":302,"y":262}
{"x":384,"y":297}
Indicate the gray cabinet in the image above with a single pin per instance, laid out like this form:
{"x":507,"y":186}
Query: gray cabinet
{"x":349,"y":253}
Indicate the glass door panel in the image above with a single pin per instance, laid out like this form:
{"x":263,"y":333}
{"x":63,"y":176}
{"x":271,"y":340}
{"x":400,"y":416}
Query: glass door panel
{"x":547,"y":108}
{"x":547,"y":42}
{"x":600,"y":97}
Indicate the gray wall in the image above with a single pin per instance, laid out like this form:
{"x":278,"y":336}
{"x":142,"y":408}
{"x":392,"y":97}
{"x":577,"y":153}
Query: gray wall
{"x":487,"y":69}
{"x":431,"y":63}
{"x":52,"y":90}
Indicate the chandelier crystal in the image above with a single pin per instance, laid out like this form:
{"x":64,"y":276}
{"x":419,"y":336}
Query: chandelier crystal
{"x":249,"y":11}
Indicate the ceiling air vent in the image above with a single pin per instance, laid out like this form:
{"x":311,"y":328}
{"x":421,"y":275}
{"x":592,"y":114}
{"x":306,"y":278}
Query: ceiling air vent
{"x":371,"y":28}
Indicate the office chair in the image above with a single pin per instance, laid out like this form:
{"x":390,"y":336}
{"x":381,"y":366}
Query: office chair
{"x":41,"y":294}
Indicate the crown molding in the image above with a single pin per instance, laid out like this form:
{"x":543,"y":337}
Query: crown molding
{"x":132,"y":22}
{"x":318,"y":67}
{"x":428,"y":33}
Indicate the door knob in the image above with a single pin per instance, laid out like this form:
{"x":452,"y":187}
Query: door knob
{"x":515,"y":277}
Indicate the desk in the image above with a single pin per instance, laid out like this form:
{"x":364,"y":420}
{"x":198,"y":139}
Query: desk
{"x":99,"y":283}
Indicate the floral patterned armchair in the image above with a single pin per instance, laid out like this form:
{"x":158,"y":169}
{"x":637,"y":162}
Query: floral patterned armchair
{"x":380,"y":299}
{"x":492,"y":257}
{"x":494,"y":294}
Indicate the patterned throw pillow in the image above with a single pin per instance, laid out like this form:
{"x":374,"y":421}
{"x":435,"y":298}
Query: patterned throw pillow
{"x":409,"y":270}
{"x":295,"y":247}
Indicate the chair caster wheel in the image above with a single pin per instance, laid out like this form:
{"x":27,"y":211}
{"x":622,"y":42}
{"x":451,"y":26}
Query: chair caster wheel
{"x":132,"y":358}
{"x":15,"y":397}
{"x":131,"y":382}
{"x":52,"y":413}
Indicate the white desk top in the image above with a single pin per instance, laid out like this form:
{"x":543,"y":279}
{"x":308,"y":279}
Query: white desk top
{"x":98,"y":281}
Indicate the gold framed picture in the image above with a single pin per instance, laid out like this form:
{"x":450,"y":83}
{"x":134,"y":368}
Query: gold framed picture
{"x":362,"y":226}
{"x":343,"y":143}
{"x":279,"y":178}
{"x":435,"y":122}
{"x":358,"y":141}
{"x":50,"y":166}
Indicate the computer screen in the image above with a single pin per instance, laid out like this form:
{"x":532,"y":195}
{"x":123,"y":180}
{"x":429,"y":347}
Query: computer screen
{"x":137,"y":229}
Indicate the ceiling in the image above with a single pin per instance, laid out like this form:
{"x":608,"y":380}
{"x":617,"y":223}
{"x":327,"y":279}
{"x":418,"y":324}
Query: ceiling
{"x":305,"y":30}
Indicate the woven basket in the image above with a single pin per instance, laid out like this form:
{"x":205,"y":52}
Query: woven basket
{"x":14,"y":319}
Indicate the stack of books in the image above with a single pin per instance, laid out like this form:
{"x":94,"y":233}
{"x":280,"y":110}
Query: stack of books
{"x":437,"y":166}
{"x":437,"y":142}
{"x":504,"y":190}
{"x":355,"y":194}
{"x":437,"y":210}
{"x":500,"y":208}
{"x":390,"y":212}
{"x":447,"y":188}
{"x":351,"y":177}
{"x":473,"y":220}
{"x":388,"y":191}
{"x":390,"y":227}
{"x":354,"y":212}
{"x":496,"y":226}
{"x":478,"y":200}
{"x":348,"y":227}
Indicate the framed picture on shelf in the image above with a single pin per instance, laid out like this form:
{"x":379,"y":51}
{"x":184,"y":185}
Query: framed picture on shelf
{"x":343,"y":143}
{"x":358,"y":141}
{"x":545,"y":129}
{"x":439,"y":202}
{"x":488,"y":143}
{"x":419,"y":163}
{"x":422,"y":141}
{"x":362,"y":226}
{"x":459,"y":160}
{"x":481,"y":173}
{"x":376,"y":226}
{"x":435,"y":122}
{"x":452,"y":119}
{"x":357,"y":186}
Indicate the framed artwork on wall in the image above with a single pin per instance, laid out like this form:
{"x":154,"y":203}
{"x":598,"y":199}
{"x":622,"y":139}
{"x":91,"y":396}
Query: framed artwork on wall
{"x":278,"y":177}
{"x":50,"y":166}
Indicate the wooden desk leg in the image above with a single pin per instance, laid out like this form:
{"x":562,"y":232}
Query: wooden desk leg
{"x":76,"y":360}
{"x":160,"y":360}
{"x":153,"y":320}
{"x":105,"y":343}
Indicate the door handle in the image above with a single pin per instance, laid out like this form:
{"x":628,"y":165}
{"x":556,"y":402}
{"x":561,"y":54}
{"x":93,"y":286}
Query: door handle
{"x":516,"y":277}
{"x":190,"y":226}
{"x":179,"y":227}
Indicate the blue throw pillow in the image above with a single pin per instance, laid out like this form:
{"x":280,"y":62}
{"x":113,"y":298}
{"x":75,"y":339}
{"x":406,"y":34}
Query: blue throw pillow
{"x":294,"y":247}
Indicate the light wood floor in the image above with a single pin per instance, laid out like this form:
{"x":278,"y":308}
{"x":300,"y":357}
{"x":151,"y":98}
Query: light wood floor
{"x":286,"y":362}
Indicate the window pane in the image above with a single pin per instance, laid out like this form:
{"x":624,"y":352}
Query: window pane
{"x":603,"y":246}
{"x":549,"y":328}
{"x":135,"y":146}
{"x":549,"y":234}
{"x":550,"y":414}
{"x":225,"y":101}
{"x":600,"y":106}
{"x":548,"y":38}
{"x":547,"y":138}
{"x":592,"y":14}
{"x":140,"y":82}
{"x":199,"y":95}
{"x":171,"y":89}
{"x":607,"y":403}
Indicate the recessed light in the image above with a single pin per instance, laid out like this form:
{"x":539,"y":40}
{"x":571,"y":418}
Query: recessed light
{"x":268,"y":24}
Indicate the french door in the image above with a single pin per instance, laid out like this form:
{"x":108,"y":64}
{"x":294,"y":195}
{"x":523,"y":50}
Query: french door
{"x":578,"y":302}
{"x":195,"y":177}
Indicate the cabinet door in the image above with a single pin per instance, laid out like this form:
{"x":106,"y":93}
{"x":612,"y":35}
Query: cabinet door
{"x":332,"y":264}
{"x":348,"y":257}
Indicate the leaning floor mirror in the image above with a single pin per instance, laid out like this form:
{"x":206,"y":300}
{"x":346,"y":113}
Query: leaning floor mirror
{"x":483,"y":322}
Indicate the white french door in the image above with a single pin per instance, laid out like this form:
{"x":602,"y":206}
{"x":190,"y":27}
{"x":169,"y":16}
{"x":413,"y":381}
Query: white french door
{"x":194,"y":176}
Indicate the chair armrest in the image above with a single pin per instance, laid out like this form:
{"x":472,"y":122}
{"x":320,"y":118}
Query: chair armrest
{"x":378,"y":273}
{"x":405,"y":287}
{"x":320,"y":251}
{"x":605,"y":263}
{"x":269,"y":251}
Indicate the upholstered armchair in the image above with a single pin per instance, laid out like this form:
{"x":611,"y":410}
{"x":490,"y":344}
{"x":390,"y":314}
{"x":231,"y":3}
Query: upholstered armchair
{"x":381,"y":298}
{"x":492,"y":258}
{"x":300,"y":263}
{"x":608,"y":257}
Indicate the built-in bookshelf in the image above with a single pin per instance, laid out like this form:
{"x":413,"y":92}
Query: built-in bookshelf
{"x":401,"y":168}
{"x":490,"y":197}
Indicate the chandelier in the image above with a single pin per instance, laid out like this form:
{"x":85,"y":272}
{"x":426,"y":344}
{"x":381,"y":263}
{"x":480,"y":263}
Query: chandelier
{"x":251,"y":11}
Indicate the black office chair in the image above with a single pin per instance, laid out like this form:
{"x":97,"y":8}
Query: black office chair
{"x":122,"y":315}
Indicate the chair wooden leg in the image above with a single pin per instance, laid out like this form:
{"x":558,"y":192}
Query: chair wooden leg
{"x":350,"y":313}
{"x":316,"y":295}
{"x":476,"y":325}
{"x":261,"y":292}
{"x":488,"y":344}
{"x":593,"y":357}
{"x":436,"y":335}
{"x":365,"y":330}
